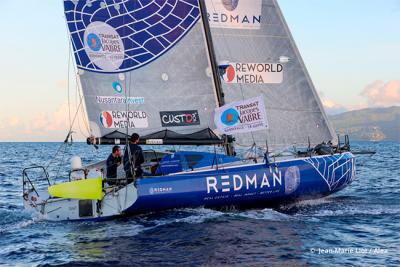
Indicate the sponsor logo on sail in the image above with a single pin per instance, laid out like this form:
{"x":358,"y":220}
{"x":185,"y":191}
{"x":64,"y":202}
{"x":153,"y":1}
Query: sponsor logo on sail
{"x":261,"y":181}
{"x":104,"y":46}
{"x":252,"y":73}
{"x":124,"y":119}
{"x":144,"y":39}
{"x":106,"y":119}
{"x":179,"y":118}
{"x":241,"y":116}
{"x":132,"y":100}
{"x":117,"y":87}
{"x":230,"y":5}
{"x":234,"y":14}
{"x":94,"y":42}
{"x":228,"y":72}
{"x":230,"y":117}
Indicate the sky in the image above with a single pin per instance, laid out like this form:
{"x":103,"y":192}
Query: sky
{"x":350,"y":47}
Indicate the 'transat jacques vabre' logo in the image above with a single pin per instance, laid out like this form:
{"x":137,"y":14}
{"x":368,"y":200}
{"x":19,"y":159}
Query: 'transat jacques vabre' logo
{"x":104,"y":46}
{"x":94,"y":42}
{"x":230,"y":117}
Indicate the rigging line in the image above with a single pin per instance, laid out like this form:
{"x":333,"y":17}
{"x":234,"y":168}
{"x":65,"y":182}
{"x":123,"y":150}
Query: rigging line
{"x":76,"y":81}
{"x":226,"y":45}
{"x":128,"y":87}
{"x":68,"y":84}
{"x":76,"y":94}
{"x":81,"y":96}
{"x":69,"y":104}
{"x":82,"y":114}
{"x":83,"y":109}
{"x":62,"y":160}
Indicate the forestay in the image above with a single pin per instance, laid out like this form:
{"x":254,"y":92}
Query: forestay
{"x":258,"y":56}
{"x":143,"y":65}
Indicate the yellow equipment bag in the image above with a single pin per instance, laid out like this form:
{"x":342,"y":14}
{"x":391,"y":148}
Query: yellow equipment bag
{"x":81,"y":189}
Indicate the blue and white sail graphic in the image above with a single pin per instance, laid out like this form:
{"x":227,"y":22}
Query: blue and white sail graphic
{"x":117,"y":35}
{"x":144,"y":65}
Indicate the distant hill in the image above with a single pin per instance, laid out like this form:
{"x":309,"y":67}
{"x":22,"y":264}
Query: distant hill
{"x":373,"y":124}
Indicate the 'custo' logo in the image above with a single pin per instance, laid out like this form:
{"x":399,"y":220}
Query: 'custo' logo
{"x":230,"y":117}
{"x":117,"y":87}
{"x":230,"y":5}
{"x":228,"y":72}
{"x":94,"y":42}
{"x":106,"y":119}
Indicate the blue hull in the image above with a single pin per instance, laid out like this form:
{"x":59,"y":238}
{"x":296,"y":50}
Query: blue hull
{"x":247,"y":185}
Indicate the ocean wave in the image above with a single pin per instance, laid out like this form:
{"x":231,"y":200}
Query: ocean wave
{"x":353,"y":211}
{"x":264,"y":214}
{"x":14,"y":220}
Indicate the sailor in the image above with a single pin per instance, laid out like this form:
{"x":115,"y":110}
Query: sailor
{"x":113,"y":161}
{"x":133,"y":158}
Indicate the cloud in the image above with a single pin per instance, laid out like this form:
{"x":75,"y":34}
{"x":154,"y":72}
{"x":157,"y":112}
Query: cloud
{"x":384,"y":94}
{"x":330,"y":106}
{"x":42,"y":127}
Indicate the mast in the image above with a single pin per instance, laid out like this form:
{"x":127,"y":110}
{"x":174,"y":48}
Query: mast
{"x":229,"y":149}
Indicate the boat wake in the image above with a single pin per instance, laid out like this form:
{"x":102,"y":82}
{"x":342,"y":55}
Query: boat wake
{"x":13,"y":220}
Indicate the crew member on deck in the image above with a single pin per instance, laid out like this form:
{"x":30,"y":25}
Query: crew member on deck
{"x":132,"y":163}
{"x":113,"y":161}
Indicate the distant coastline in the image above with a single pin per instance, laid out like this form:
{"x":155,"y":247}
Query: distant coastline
{"x":370,"y":124}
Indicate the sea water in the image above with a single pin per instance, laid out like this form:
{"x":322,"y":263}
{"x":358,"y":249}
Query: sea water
{"x":358,"y":226}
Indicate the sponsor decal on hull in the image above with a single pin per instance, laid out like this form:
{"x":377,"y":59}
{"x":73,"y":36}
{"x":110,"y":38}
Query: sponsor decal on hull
{"x":159,"y":190}
{"x":241,"y":116}
{"x":234,"y":14}
{"x":244,"y":184}
{"x":179,"y":118}
{"x":123,"y":119}
{"x":252,"y":73}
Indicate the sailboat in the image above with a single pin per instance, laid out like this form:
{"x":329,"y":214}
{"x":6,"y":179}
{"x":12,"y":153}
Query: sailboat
{"x":193,"y":73}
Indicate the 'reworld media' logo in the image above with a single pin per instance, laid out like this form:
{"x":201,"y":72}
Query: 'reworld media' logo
{"x":117,"y":87}
{"x":118,"y":119}
{"x":228,"y":72}
{"x":230,"y":117}
{"x":252,"y":73}
{"x":230,"y":5}
{"x":94,"y":42}
{"x":106,"y":119}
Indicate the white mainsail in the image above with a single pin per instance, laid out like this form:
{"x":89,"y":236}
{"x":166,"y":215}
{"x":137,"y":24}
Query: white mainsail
{"x":258,"y":57}
{"x":143,"y":65}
